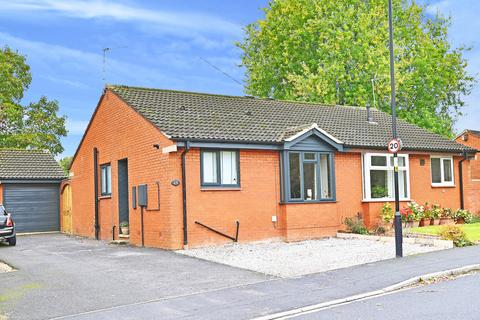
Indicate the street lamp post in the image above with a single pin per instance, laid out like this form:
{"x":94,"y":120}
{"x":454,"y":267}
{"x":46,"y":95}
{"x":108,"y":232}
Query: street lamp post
{"x":398,"y":219}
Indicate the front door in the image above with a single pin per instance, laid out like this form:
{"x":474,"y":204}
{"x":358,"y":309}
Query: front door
{"x":123,"y":215}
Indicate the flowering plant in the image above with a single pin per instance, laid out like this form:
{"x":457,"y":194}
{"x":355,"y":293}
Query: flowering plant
{"x":407,"y":214}
{"x":427,"y":211}
{"x":387,"y":214}
{"x":463,"y":214}
{"x":417,"y":210}
{"x":436,"y":211}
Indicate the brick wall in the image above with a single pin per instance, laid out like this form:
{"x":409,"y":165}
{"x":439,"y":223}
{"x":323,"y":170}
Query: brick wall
{"x":119,"y":132}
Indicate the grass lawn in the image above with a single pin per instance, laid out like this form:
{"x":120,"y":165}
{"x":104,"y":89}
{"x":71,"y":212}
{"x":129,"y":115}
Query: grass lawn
{"x":472,"y":230}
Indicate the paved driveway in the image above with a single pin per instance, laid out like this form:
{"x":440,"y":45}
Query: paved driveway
{"x":59,"y":275}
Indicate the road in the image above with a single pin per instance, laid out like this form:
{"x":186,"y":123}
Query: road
{"x":453,"y":299}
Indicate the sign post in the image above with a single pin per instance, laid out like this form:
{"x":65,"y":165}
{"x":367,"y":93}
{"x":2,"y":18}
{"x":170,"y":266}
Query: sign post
{"x":395,"y":142}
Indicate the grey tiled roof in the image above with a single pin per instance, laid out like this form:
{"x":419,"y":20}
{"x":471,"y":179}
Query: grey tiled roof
{"x":29,"y":164}
{"x":209,"y":117}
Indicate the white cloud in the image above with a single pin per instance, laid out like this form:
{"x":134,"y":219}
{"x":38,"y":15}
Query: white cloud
{"x":98,"y":9}
{"x":73,"y":61}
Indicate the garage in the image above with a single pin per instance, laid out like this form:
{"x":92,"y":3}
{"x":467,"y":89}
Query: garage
{"x":35,"y":206}
{"x":29,"y":189}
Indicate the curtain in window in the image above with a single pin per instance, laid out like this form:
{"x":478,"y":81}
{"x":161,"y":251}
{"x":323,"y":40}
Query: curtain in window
{"x":228,"y":169}
{"x":209,"y":162}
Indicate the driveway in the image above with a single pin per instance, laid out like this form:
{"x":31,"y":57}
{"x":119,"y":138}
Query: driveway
{"x":59,"y":275}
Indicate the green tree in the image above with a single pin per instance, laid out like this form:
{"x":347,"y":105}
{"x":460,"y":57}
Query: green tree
{"x":35,"y":125}
{"x":336,"y":52}
{"x":65,"y":163}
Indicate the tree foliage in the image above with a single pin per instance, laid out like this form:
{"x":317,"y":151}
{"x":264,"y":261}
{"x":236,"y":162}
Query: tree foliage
{"x":336,"y":52}
{"x":65,"y":163}
{"x":34,"y":126}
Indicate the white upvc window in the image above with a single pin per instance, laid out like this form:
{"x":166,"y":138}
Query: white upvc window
{"x":378,"y":177}
{"x":441,"y":168}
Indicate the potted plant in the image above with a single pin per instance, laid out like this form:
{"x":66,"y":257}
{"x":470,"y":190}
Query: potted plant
{"x":387,"y":216}
{"x":436,"y":211}
{"x":462,"y":216}
{"x":446,"y":216}
{"x":124,"y":227}
{"x":417,"y":212}
{"x":407,"y":216}
{"x":427,"y":216}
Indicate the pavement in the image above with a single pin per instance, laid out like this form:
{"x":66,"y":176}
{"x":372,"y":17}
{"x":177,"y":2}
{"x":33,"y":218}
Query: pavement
{"x":74,"y":278}
{"x":453,"y":299}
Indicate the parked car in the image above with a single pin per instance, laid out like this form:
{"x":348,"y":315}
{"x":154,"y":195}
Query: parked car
{"x":7,"y":227}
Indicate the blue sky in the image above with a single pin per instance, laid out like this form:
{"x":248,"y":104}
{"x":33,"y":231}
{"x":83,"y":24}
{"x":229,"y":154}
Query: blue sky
{"x":158,"y":44}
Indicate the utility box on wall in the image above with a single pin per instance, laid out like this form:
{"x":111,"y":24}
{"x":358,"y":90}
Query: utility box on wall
{"x":142,"y":195}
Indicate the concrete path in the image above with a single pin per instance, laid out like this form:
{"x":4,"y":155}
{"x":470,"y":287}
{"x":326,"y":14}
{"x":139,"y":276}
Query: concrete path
{"x":84,"y":279}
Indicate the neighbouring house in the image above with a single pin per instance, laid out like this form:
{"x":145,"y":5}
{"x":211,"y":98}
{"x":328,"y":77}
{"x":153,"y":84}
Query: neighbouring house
{"x":281,"y":169}
{"x":29,"y":189}
{"x":471,"y":138}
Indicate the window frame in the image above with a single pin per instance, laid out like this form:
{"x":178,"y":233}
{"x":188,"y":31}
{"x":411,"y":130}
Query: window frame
{"x":367,"y":167}
{"x":287,"y":185}
{"x":108,"y":181}
{"x":218,"y":168}
{"x":442,"y":183}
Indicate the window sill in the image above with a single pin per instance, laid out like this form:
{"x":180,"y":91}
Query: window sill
{"x":309,"y":202}
{"x":105,"y":197}
{"x":220,"y":189}
{"x":443,"y":185}
{"x":385,"y":200}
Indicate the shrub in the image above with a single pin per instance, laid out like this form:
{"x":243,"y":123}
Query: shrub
{"x":456,"y":234}
{"x":124,"y":224}
{"x":463,"y":214}
{"x":355,"y":225}
{"x":387,"y":214}
{"x":475,"y":219}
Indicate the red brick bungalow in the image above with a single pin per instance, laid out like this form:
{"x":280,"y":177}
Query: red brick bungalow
{"x":284,"y":170}
{"x":471,"y":138}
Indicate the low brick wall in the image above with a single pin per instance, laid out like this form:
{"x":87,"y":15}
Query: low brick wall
{"x":429,"y":241}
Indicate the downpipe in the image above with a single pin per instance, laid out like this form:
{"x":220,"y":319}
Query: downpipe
{"x":184,"y":194}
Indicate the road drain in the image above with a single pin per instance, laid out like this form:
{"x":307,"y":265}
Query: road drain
{"x":5,"y":268}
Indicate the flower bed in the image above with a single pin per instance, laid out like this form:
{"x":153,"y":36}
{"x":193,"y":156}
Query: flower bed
{"x":415,"y":215}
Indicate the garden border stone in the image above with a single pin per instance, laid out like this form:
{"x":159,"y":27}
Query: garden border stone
{"x":434,"y":242}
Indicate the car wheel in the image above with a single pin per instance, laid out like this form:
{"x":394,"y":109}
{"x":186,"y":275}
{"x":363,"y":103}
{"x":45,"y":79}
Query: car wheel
{"x":12,"y":241}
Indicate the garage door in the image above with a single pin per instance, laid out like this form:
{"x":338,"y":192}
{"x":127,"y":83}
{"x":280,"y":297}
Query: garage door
{"x":35,"y":207}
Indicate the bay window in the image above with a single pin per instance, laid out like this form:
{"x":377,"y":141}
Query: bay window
{"x":442,"y":171}
{"x":309,"y":176}
{"x":378,"y":176}
{"x":219,"y":168}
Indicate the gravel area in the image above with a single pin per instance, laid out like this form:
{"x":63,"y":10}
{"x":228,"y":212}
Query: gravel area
{"x":299,"y":258}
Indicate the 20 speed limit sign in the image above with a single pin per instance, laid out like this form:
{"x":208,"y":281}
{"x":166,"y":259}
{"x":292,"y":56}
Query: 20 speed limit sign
{"x":394,"y":145}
